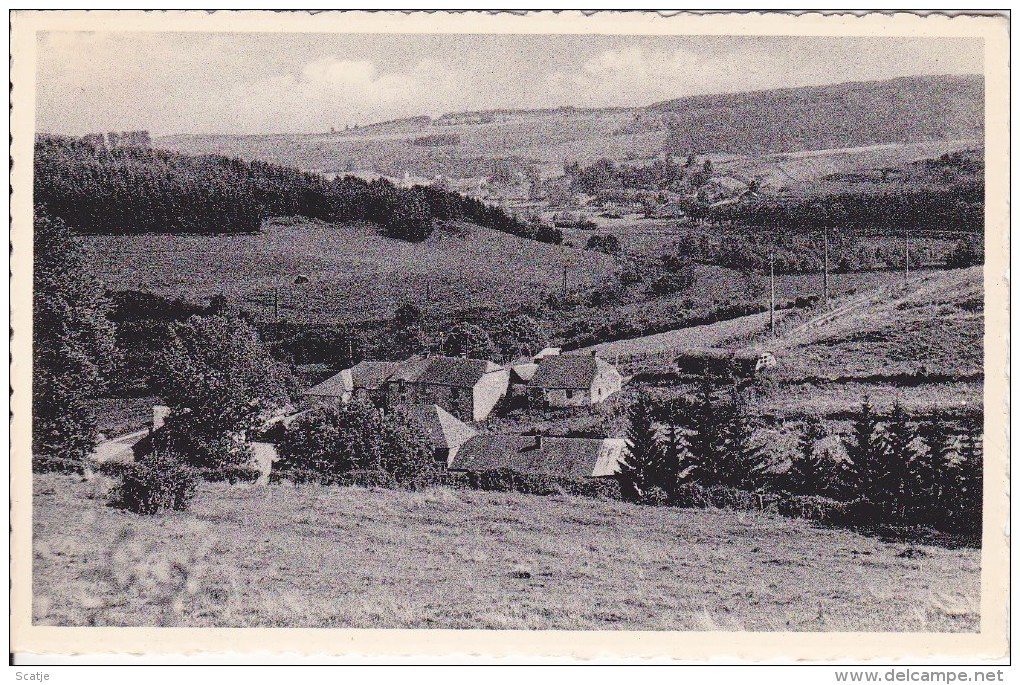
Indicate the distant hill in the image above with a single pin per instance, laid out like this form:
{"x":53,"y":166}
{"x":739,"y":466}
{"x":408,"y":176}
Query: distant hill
{"x":824,"y":117}
{"x":848,"y":115}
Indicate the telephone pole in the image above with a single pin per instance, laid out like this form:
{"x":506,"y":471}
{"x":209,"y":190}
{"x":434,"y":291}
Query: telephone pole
{"x":825,"y":276}
{"x":772,"y":299}
{"x":906,"y":255}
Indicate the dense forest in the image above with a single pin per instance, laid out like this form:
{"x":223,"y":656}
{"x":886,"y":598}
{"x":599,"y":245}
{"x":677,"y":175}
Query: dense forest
{"x":96,"y":189}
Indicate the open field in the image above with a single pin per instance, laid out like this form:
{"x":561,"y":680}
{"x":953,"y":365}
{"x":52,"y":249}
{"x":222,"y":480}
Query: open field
{"x":354,"y":273}
{"x":346,"y":557}
{"x":932,"y":324}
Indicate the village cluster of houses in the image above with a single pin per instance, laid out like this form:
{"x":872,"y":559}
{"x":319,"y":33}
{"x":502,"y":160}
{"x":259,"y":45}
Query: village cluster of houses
{"x":445,"y":394}
{"x":449,"y":399}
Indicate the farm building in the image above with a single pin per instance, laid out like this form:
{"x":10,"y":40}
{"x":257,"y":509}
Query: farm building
{"x":716,"y":361}
{"x":365,"y":380}
{"x":445,"y":432}
{"x":537,"y":454}
{"x":574,"y":381}
{"x":466,"y":388}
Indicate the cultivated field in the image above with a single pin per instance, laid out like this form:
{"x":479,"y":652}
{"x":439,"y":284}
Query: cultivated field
{"x":346,"y":557}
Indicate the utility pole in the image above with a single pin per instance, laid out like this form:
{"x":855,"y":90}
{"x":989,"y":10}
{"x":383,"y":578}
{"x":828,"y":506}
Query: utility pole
{"x":906,"y":256}
{"x":825,"y":276}
{"x":564,"y":281}
{"x":276,"y":304}
{"x":772,"y":299}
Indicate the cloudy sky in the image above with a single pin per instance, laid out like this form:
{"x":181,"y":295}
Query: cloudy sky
{"x":269,"y":83}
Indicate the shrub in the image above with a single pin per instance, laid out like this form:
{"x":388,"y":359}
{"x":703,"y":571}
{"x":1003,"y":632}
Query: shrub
{"x":159,"y":482}
{"x":48,"y":463}
{"x":367,"y":478}
{"x":229,"y":474}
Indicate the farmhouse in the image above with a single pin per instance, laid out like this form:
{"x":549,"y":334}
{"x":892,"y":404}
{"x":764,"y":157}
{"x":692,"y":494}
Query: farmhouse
{"x":466,"y":388}
{"x":576,"y":458}
{"x":365,"y":380}
{"x":574,"y":381}
{"x":444,"y":432}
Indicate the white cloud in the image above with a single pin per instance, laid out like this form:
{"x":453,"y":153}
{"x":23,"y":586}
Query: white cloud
{"x":334,"y":91}
{"x":635,"y":75}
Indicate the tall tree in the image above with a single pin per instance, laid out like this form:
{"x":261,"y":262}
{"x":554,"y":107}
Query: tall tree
{"x":930,"y":468}
{"x":644,"y":466}
{"x":866,"y":453}
{"x":73,"y":347}
{"x":220,"y":382}
{"x":900,"y":454}
{"x":706,"y":420}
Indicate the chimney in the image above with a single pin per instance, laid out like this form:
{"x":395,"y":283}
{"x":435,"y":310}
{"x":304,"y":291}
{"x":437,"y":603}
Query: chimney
{"x":538,"y":441}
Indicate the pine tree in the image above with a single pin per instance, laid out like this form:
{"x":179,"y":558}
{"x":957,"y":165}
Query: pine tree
{"x":705,"y":420}
{"x":867,"y":459}
{"x":644,"y":466}
{"x":931,"y":468}
{"x":805,"y":475}
{"x":742,"y":462}
{"x":899,"y":452}
{"x":967,"y":501}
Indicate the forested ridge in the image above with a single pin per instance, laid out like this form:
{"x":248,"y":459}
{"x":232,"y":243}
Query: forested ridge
{"x":139,"y":190}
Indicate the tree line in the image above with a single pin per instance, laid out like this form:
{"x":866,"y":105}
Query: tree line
{"x":136,"y":189}
{"x":898,"y":469}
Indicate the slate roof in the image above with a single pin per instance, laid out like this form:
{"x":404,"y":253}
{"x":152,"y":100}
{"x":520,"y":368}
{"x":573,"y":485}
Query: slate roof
{"x":458,"y":372}
{"x":565,"y":457}
{"x":371,"y":375}
{"x":572,"y":371}
{"x":444,"y":430}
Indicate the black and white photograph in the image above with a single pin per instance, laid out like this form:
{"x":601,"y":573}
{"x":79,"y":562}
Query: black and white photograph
{"x":539,"y":330}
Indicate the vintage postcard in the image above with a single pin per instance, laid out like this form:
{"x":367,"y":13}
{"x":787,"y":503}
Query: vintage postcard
{"x":473,"y":335}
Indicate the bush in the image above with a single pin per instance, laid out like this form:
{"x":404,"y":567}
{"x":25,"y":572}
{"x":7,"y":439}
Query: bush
{"x":46,"y":463}
{"x":159,"y":482}
{"x":229,"y":474}
{"x":368,"y":478}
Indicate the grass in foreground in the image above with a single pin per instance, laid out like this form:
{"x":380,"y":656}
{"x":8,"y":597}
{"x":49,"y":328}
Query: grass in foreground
{"x":314,"y":556}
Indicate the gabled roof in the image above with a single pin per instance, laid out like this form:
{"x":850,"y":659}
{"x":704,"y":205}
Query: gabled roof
{"x":570,"y":372}
{"x":371,"y":375}
{"x":524,"y":372}
{"x":459,"y":372}
{"x":444,"y":430}
{"x":565,"y":457}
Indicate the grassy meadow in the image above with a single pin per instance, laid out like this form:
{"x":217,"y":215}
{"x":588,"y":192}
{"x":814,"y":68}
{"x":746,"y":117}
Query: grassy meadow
{"x":354,"y":273}
{"x":314,"y":556}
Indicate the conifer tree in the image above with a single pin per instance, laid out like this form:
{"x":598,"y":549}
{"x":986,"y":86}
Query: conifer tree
{"x":931,"y":468}
{"x":899,"y":453}
{"x":805,"y":475}
{"x":867,"y":459}
{"x":967,"y":500}
{"x":644,"y":466}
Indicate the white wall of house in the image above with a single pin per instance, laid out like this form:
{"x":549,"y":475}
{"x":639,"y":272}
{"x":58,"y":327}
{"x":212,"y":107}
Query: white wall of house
{"x":607,"y":382}
{"x":489,"y":391}
{"x":568,"y":398}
